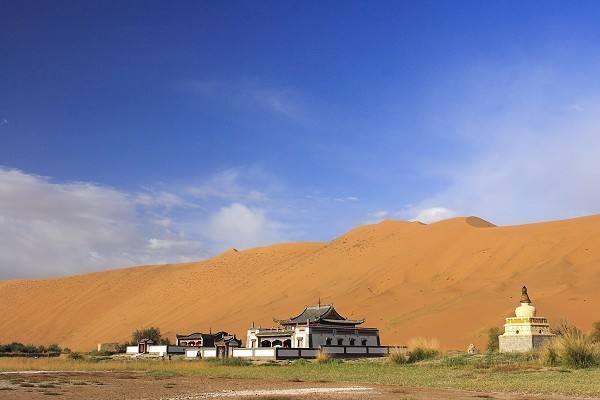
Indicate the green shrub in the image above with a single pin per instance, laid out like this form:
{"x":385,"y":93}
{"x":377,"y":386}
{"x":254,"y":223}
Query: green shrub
{"x":493,"y":343}
{"x":54,"y":348}
{"x":75,"y":356}
{"x":421,"y":354}
{"x":573,"y":349}
{"x":579,"y":351}
{"x":102,"y":353}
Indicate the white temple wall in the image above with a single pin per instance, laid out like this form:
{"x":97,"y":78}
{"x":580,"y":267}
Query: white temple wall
{"x":251,"y":339}
{"x":302,"y":333}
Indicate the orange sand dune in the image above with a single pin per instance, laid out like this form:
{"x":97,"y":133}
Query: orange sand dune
{"x":450,"y":280}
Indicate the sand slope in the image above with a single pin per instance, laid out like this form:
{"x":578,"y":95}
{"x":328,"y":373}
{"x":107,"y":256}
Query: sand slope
{"x":450,"y":280}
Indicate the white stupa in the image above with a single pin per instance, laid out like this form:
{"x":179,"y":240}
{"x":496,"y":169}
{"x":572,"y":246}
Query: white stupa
{"x":524,"y":332}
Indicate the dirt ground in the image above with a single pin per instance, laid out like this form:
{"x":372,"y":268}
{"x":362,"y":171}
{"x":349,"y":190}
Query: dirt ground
{"x":137,"y":386}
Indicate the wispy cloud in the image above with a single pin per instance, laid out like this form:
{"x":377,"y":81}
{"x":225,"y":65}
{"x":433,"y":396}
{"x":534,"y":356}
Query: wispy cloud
{"x":228,"y":185}
{"x":379,"y":214}
{"x":254,"y":94}
{"x":530,"y":160}
{"x":340,"y":199}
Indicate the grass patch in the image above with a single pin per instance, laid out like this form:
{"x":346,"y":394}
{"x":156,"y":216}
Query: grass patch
{"x":478,"y":372}
{"x":573,"y":349}
{"x":231,"y":361}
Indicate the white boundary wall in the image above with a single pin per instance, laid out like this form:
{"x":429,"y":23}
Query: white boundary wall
{"x":280,"y":353}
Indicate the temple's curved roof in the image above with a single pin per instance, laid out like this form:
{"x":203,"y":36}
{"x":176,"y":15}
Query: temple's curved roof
{"x":323,"y":313}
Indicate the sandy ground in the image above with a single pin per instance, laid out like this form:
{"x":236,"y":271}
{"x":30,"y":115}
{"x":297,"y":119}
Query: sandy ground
{"x":137,"y":386}
{"x":451,"y":280}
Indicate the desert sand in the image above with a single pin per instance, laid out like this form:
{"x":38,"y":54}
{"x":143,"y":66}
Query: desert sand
{"x":450,"y":280}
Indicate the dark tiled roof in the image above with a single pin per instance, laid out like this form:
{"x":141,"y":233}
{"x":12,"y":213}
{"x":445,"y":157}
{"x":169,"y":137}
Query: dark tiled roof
{"x":319,"y":314}
{"x":196,"y":335}
{"x":229,"y":340}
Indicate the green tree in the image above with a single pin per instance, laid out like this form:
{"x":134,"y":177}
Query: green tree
{"x":54,"y":348}
{"x":493,"y":342}
{"x":151,"y":333}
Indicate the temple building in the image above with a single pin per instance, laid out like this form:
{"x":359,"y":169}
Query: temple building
{"x":220,"y":344}
{"x":207,"y":339}
{"x":222,"y":341}
{"x":316,"y":326}
{"x":524,"y":332}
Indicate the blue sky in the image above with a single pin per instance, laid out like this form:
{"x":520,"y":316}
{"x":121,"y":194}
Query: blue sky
{"x":169,"y":131}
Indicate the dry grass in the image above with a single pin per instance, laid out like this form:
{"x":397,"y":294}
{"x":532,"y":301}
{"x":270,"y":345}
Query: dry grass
{"x":323,"y":358}
{"x":573,"y":349}
{"x":398,"y":357}
{"x":423,"y":343}
{"x":421,"y":349}
{"x":61,"y":364}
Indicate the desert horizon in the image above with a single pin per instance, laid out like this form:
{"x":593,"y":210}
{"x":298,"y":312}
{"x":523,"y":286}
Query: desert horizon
{"x":450,"y":280}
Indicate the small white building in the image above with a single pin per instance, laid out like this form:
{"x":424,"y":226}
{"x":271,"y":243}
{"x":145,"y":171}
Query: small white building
{"x":524,"y":332}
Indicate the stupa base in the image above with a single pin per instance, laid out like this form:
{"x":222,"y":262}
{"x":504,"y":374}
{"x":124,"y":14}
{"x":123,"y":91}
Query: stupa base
{"x":522,"y":343}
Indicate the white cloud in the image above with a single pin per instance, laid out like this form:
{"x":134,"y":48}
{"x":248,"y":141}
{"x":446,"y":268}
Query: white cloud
{"x":433,"y":214}
{"x":169,"y":244}
{"x":52,"y":229}
{"x":49,"y":229}
{"x":159,"y":199}
{"x":242,"y":227}
{"x":345,"y":199}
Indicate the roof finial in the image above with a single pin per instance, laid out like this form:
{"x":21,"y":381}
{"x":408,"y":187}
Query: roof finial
{"x":525,"y":296}
{"x":319,"y":301}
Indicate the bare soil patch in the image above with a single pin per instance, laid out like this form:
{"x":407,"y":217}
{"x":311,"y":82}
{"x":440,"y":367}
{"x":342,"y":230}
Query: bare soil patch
{"x":138,"y":386}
